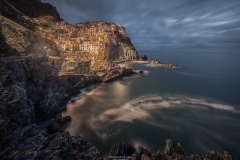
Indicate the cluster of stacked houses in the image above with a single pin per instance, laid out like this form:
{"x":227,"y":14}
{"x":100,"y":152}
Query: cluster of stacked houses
{"x":89,"y":37}
{"x":98,"y":42}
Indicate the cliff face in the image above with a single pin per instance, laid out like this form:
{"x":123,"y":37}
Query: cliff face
{"x":33,"y":8}
{"x":124,"y":48}
{"x":29,"y":91}
{"x":19,"y":40}
{"x":118,"y":49}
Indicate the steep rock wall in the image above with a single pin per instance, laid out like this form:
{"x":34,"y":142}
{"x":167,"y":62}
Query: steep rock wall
{"x":19,"y":40}
{"x":121,"y":48}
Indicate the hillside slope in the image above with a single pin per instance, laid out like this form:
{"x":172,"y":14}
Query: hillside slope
{"x":32,"y":8}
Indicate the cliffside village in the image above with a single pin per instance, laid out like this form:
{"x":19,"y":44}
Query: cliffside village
{"x":83,"y":47}
{"x":92,"y":41}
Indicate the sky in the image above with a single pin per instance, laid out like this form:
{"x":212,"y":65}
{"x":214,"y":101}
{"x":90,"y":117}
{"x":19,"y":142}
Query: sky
{"x":162,"y":23}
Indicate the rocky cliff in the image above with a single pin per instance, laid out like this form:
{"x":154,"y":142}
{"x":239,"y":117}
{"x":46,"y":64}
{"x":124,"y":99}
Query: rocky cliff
{"x":30,"y":91}
{"x":123,"y":49}
{"x":30,"y":8}
{"x":172,"y":151}
{"x":18,"y":40}
{"x":30,"y":143}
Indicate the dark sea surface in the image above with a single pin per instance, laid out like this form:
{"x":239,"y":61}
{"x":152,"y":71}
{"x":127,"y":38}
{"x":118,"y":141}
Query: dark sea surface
{"x":197,"y":105}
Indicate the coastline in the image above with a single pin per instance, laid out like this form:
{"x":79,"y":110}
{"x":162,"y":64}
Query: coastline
{"x":50,"y":93}
{"x":31,"y":91}
{"x":172,"y":150}
{"x":81,"y":89}
{"x":62,"y":142}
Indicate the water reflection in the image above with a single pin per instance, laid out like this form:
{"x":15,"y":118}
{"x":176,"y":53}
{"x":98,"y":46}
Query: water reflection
{"x":124,"y":82}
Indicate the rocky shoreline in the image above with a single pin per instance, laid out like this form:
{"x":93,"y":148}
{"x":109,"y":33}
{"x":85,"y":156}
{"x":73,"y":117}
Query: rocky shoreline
{"x":26,"y":88}
{"x":120,"y":150}
{"x":29,"y":91}
{"x":155,"y":62}
{"x":117,"y":73}
{"x":172,"y":151}
{"x":167,"y":65}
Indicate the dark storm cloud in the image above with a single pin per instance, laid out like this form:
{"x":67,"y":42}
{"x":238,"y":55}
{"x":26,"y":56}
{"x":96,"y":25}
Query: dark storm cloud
{"x":155,"y":23}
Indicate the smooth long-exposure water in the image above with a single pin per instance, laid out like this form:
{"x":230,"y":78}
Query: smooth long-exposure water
{"x":197,"y":105}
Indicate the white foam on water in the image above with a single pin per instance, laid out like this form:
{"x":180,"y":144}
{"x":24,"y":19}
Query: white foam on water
{"x":141,"y":109}
{"x":152,"y":65}
{"x":140,"y":61}
{"x":189,"y":74}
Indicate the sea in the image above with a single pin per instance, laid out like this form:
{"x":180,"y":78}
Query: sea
{"x":197,"y":105}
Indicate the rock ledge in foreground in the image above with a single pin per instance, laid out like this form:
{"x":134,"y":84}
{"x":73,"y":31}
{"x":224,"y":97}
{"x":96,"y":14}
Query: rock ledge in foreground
{"x":171,"y":151}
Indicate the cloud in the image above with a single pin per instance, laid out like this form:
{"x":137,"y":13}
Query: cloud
{"x":186,"y":20}
{"x":161,"y":22}
{"x":170,"y":21}
{"x":205,"y":16}
{"x":217,"y":23}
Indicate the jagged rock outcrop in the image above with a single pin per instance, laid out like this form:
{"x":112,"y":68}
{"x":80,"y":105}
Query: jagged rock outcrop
{"x":116,"y":73}
{"x":143,"y":153}
{"x":30,"y":143}
{"x":29,"y":90}
{"x":122,"y":150}
{"x":167,"y":65}
{"x":122,"y":48}
{"x":83,"y":81}
{"x":171,"y":151}
{"x":143,"y":58}
{"x":58,"y":124}
{"x":29,"y":87}
{"x":174,"y":150}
